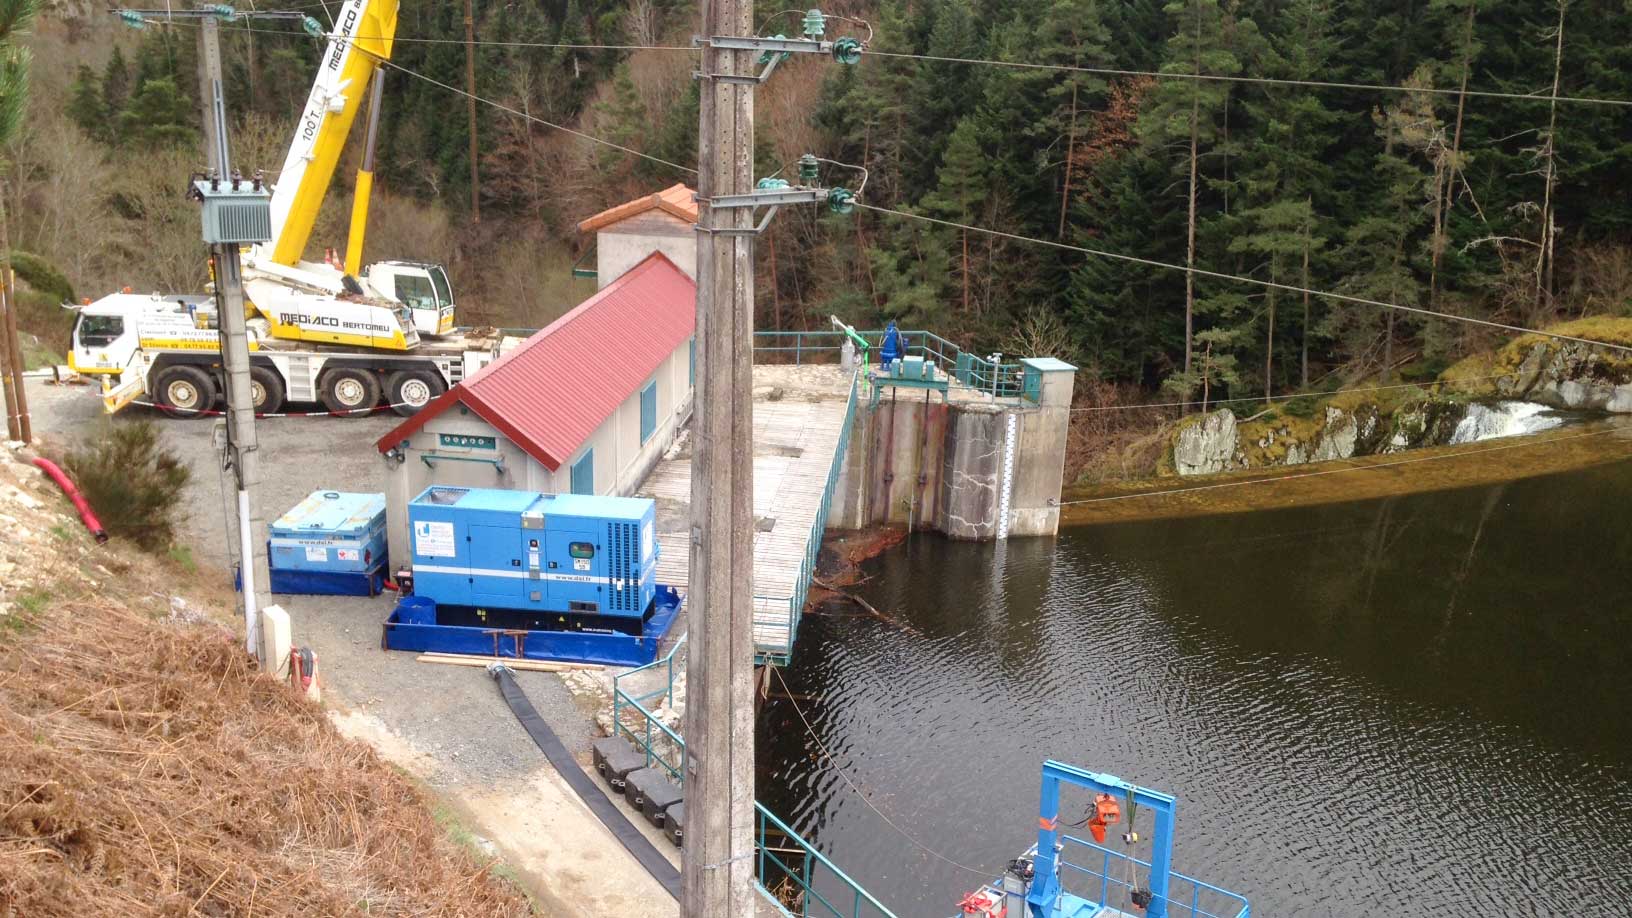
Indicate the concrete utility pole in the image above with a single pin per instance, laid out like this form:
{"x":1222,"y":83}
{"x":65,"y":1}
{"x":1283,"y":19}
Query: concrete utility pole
{"x":229,"y":300}
{"x":717,"y":866}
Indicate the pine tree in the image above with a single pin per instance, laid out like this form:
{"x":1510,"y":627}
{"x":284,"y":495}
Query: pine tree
{"x":960,"y":191}
{"x":158,"y":116}
{"x":85,"y":104}
{"x":1072,"y":33}
{"x":623,"y":117}
{"x":1188,"y":115}
{"x":115,"y":92}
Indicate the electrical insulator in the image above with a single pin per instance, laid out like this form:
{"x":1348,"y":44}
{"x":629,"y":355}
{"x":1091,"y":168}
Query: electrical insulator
{"x":841,"y":200}
{"x":312,"y":26}
{"x":772,"y":184}
{"x":778,"y":56}
{"x":815,"y":25}
{"x":222,"y":11}
{"x":132,"y":18}
{"x":847,"y":50}
{"x":809,"y":170}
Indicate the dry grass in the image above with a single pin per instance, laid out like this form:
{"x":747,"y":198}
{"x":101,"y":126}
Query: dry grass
{"x":146,"y":768}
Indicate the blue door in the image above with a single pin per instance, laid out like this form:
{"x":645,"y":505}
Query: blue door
{"x":648,"y":411}
{"x":583,"y":474}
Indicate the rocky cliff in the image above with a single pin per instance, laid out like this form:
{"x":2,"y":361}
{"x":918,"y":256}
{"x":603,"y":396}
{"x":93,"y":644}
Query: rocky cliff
{"x":1502,"y":393}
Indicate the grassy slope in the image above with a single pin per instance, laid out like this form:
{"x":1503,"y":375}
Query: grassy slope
{"x":146,"y":767}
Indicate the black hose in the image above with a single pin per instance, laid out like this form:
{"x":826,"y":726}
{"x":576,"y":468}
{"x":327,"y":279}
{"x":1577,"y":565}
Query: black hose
{"x":638,"y":845}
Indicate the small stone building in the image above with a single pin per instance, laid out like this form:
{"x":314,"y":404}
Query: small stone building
{"x":586,"y":405}
{"x":662,"y":222}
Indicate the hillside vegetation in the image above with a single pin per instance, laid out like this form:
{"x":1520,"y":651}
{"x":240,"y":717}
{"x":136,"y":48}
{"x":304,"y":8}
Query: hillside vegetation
{"x":147,"y":768}
{"x":1429,"y":196}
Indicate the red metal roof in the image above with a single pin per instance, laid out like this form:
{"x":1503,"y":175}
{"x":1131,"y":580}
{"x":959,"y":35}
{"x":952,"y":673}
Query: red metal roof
{"x":552,"y":391}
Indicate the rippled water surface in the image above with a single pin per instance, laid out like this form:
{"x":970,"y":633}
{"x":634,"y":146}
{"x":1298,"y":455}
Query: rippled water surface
{"x":1418,"y":706}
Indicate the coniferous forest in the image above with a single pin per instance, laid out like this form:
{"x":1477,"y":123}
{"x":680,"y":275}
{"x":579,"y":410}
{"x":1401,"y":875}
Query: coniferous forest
{"x":1427,"y":195}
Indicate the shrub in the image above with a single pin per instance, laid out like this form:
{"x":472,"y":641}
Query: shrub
{"x":41,"y":275}
{"x":132,"y":482}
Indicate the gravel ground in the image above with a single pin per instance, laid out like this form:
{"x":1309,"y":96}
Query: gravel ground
{"x":446,"y":723}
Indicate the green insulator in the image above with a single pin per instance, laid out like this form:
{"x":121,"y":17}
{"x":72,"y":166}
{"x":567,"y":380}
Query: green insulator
{"x":779,"y":56}
{"x":809,"y":169}
{"x":223,"y":12}
{"x":132,"y":18}
{"x":841,"y":200}
{"x":815,"y":25}
{"x":847,"y":50}
{"x":312,"y":26}
{"x":772,"y":184}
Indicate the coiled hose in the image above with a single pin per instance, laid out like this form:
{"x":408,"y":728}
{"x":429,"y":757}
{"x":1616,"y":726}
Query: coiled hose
{"x":67,"y":486}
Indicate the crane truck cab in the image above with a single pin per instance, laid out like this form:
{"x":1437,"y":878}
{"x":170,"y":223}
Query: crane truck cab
{"x":421,"y":286}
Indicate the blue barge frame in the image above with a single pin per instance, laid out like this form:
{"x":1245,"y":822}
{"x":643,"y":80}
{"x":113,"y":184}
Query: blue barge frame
{"x":407,"y":629}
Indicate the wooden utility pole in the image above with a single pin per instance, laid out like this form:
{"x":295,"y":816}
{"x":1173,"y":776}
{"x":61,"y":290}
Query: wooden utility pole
{"x":470,"y":104}
{"x":11,"y":355}
{"x":717,"y":866}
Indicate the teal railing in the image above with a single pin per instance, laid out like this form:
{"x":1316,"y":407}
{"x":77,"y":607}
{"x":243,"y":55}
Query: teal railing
{"x":1108,"y":886}
{"x":998,"y":378}
{"x":795,"y":604}
{"x":800,"y":880}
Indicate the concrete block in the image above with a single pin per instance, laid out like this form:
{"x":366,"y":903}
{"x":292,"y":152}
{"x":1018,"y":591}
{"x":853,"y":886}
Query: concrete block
{"x":614,"y":759}
{"x":674,"y":823}
{"x":660,"y":795}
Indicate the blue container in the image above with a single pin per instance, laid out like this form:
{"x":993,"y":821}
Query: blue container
{"x":330,"y":531}
{"x":416,"y":610}
{"x":566,"y":553}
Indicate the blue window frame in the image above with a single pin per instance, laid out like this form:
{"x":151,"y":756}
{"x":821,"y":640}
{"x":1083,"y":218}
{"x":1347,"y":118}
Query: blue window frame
{"x":648,"y":411}
{"x":583,"y":474}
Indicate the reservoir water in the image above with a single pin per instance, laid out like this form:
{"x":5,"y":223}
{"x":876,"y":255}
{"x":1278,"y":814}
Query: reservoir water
{"x":1413,"y":706}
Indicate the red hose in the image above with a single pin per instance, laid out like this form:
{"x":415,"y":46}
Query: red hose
{"x":67,"y":486}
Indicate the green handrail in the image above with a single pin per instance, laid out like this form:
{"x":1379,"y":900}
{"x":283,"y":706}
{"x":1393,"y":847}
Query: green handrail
{"x":771,"y":866}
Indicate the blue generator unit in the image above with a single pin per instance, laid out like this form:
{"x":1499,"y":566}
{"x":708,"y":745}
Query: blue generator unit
{"x":524,"y":560}
{"x":330,"y":531}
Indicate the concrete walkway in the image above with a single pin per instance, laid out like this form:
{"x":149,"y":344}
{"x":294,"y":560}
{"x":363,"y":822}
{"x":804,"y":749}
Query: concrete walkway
{"x":799,"y":416}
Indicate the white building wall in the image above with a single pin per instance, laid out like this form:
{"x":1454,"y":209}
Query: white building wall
{"x":621,"y":460}
{"x":627,"y":243}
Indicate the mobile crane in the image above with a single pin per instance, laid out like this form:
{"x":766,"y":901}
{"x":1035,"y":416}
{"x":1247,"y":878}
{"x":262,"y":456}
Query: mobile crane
{"x":323,"y":331}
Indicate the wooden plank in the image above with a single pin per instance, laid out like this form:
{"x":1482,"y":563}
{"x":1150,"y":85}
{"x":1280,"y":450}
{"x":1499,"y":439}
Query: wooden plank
{"x":537,"y":666}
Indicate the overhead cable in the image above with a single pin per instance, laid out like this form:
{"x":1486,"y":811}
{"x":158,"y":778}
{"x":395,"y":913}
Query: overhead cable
{"x":811,"y":732}
{"x":1219,"y":275}
{"x":1269,"y":81}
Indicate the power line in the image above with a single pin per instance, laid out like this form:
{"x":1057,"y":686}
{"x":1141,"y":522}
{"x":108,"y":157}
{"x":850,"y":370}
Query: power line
{"x":1296,"y":395}
{"x":1219,"y":275}
{"x":325,"y":36}
{"x":533,"y":118}
{"x":1352,"y":468}
{"x":1269,"y":81}
{"x":387,"y":62}
{"x":811,"y":731}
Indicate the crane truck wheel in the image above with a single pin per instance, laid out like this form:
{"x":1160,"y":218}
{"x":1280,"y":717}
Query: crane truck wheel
{"x":350,"y":392}
{"x":410,"y":390}
{"x":184,"y":392}
{"x":265,"y":390}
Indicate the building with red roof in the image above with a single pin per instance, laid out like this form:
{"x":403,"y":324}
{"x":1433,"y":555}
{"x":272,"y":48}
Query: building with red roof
{"x":586,"y":405}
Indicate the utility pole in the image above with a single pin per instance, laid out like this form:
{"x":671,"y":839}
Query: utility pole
{"x":717,"y":865}
{"x":229,"y":299}
{"x":470,"y":103}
